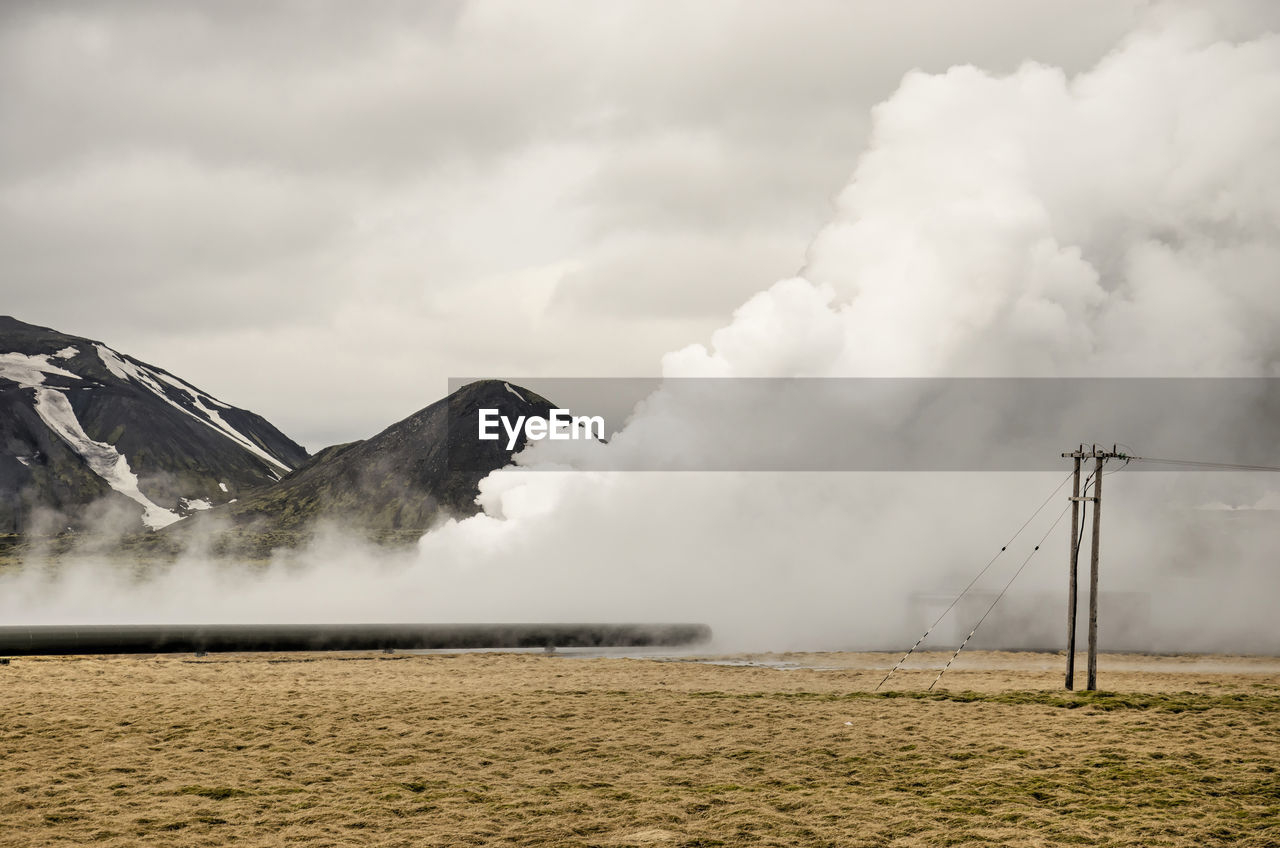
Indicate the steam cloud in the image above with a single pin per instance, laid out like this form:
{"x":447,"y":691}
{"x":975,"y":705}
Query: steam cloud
{"x":1124,"y":222}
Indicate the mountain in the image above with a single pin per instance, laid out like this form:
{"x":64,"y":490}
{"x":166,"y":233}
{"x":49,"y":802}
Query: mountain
{"x":89,"y":434}
{"x":401,"y":480}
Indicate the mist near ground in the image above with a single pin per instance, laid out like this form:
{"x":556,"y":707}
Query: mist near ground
{"x":1124,"y":221}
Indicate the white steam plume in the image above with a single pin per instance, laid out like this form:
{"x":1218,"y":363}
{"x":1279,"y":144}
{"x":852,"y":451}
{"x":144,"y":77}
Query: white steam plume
{"x":1125,"y":222}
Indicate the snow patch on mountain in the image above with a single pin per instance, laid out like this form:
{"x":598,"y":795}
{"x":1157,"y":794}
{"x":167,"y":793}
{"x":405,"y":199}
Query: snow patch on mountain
{"x":195,"y":393}
{"x":67,"y":352}
{"x":124,"y":369}
{"x":55,"y":410}
{"x":29,"y":371}
{"x":216,"y":421}
{"x":127,"y":370}
{"x":507,"y":386}
{"x":191,"y":390}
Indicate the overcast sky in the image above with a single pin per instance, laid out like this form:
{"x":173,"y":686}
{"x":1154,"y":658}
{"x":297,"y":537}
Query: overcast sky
{"x":323,"y":211}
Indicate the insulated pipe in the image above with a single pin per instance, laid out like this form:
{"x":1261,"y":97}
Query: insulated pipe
{"x":49,"y":640}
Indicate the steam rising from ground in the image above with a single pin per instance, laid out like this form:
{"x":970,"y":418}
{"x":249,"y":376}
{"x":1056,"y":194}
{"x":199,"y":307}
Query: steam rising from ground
{"x":1125,"y":222}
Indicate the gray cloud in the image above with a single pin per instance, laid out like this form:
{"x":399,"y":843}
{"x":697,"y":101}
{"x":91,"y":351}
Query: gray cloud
{"x":551,"y":188}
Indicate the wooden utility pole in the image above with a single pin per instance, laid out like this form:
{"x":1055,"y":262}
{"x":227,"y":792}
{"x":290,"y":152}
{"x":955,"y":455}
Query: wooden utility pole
{"x":1099,"y":456}
{"x":1074,"y":553}
{"x":1093,"y":572}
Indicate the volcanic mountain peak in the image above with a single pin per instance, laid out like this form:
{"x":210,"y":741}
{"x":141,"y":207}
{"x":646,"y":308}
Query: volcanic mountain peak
{"x":404,"y":478}
{"x":82,"y":424}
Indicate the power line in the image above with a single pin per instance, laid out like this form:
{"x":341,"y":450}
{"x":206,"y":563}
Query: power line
{"x":1195,"y":463}
{"x":1084,"y":515}
{"x":1094,"y":480}
{"x":972,"y":582}
{"x":998,"y":597}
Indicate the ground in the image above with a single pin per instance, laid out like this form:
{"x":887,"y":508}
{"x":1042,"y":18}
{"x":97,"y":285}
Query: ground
{"x":522,"y":749}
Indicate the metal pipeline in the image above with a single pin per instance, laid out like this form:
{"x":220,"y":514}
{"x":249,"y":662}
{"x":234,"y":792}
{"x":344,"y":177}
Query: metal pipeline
{"x":54,"y":640}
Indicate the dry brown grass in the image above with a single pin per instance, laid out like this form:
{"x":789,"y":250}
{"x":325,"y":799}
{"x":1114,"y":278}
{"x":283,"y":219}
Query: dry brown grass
{"x":523,"y":749}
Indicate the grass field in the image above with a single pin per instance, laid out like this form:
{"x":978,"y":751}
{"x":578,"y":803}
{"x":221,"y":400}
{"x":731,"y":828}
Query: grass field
{"x":492,"y":749}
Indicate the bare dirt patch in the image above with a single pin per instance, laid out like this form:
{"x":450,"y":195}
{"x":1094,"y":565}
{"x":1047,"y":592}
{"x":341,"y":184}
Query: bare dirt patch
{"x":485,"y":749}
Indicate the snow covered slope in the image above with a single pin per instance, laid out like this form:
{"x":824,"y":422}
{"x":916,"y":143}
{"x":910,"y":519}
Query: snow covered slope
{"x":88,"y":434}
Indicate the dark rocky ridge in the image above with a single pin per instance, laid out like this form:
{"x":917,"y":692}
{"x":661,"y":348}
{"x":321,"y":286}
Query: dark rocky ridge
{"x":402,"y":479}
{"x":168,"y":431}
